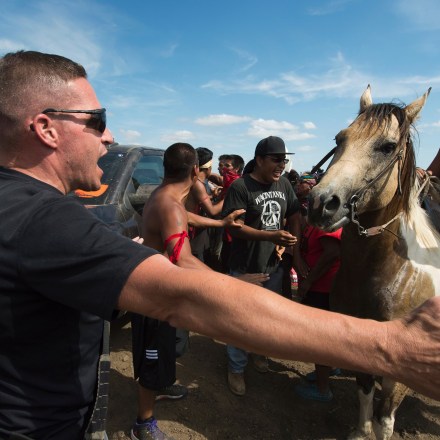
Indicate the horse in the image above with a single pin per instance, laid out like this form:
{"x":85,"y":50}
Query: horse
{"x":390,"y":259}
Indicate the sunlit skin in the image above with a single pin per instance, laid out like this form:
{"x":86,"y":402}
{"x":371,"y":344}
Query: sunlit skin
{"x":228,"y":165}
{"x":71,"y":150}
{"x":303,"y":189}
{"x":268,"y":171}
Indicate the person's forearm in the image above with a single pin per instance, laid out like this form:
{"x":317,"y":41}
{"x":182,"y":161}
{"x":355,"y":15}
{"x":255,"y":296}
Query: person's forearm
{"x":254,"y":318}
{"x":216,"y":178}
{"x":248,"y":233}
{"x":199,"y":221}
{"x":261,"y":321}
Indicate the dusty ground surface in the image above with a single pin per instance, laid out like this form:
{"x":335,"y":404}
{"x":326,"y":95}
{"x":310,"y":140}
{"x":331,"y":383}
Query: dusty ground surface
{"x":269,"y":410}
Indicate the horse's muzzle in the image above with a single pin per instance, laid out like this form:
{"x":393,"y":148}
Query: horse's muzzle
{"x":326,"y":210}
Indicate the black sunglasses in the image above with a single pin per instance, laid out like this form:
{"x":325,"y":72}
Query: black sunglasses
{"x":97,"y":121}
{"x":278,"y":159}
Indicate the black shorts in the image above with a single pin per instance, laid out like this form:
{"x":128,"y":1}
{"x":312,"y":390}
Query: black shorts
{"x":319,"y":300}
{"x":154,"y":352}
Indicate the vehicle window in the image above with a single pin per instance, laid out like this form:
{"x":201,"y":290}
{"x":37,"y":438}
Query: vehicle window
{"x":148,"y":171}
{"x":110,"y":164}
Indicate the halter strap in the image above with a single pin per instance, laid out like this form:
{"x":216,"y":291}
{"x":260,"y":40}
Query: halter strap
{"x":174,"y":257}
{"x":376,"y":230}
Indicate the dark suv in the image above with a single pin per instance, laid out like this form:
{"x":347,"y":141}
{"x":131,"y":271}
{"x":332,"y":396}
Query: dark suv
{"x":131,"y":173}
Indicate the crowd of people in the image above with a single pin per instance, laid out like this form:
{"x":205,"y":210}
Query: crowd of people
{"x":59,"y":283}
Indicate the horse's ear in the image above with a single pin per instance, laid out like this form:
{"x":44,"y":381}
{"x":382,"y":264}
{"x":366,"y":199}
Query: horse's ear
{"x":366,"y":99}
{"x":412,"y":110}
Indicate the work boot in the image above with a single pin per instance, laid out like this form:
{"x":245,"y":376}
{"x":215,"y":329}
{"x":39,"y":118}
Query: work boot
{"x":261,"y":363}
{"x":236,"y":383}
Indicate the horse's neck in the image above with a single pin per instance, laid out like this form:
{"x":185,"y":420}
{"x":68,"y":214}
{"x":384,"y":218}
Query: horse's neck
{"x":375,"y":249}
{"x":373,"y":253}
{"x":409,"y":240}
{"x":382,"y":216}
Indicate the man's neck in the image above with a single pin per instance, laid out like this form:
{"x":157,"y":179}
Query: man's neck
{"x":180,"y":190}
{"x":257,"y":176}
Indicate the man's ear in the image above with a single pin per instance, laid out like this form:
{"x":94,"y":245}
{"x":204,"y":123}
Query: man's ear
{"x":43,"y":127}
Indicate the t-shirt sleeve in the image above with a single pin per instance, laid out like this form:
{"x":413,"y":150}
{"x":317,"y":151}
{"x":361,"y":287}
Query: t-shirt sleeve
{"x":71,"y":257}
{"x":236,"y":198}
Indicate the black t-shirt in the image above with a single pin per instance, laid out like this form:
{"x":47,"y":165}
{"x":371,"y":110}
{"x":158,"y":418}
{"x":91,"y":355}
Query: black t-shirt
{"x":61,"y":273}
{"x":266,"y":207}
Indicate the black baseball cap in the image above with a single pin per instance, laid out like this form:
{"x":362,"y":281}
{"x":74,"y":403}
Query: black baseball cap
{"x":271,"y":145}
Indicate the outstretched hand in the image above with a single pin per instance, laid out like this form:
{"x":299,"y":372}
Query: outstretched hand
{"x":283,"y":238}
{"x":418,"y":347}
{"x":230,"y":221}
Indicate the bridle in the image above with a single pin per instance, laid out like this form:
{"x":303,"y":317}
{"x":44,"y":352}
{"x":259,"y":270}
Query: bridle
{"x":352,"y":203}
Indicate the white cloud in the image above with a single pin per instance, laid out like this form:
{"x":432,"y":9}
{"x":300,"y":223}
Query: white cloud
{"x":305,"y":148}
{"x":177,"y":136}
{"x":329,"y":7}
{"x":435,"y":124}
{"x":63,"y":27}
{"x":10,"y":46}
{"x":249,"y":59}
{"x":423,"y":14}
{"x":261,"y":128}
{"x":130,"y":136}
{"x":168,"y":52}
{"x":308,"y":125}
{"x":223,"y":119}
{"x":340,"y":79}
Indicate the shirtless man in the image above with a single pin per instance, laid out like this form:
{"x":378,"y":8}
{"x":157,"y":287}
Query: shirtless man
{"x":164,"y":228}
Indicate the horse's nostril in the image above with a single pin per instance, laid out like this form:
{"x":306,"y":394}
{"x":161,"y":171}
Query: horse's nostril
{"x":332,"y":204}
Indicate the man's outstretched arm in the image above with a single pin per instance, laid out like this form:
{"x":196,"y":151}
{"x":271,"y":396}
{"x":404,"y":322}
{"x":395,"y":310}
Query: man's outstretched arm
{"x":260,"y":321}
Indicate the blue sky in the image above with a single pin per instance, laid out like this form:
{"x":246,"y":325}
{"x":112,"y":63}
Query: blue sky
{"x":225,"y":74}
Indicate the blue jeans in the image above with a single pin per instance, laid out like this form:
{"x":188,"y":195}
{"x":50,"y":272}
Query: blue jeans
{"x":238,"y":358}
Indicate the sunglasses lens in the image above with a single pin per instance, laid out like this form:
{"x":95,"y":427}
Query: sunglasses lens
{"x":278,"y":159}
{"x":97,"y":121}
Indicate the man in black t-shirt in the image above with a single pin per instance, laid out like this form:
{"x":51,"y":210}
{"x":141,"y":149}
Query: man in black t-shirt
{"x":269,"y":201}
{"x":62,"y":272}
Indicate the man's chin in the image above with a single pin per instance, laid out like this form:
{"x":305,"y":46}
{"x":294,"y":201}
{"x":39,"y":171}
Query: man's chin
{"x":88,"y":186}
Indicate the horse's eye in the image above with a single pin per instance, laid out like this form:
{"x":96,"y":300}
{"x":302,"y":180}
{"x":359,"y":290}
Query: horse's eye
{"x":388,"y":148}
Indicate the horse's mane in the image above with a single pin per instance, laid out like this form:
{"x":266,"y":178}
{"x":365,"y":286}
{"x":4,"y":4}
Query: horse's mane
{"x":418,"y":221}
{"x":379,"y":117}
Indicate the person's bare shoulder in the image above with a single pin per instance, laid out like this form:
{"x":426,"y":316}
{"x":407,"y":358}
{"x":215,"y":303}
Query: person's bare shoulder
{"x":198,"y":191}
{"x":163,"y":215}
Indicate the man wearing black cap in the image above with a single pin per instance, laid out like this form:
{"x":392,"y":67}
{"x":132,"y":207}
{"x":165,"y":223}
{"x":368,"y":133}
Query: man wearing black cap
{"x":268,"y":199}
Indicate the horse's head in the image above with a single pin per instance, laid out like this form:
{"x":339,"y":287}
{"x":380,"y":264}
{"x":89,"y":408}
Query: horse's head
{"x":373,"y":162}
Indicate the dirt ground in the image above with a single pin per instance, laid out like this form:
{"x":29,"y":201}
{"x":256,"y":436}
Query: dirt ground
{"x":269,"y":410}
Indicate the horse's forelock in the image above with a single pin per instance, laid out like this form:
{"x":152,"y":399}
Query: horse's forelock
{"x":379,"y":117}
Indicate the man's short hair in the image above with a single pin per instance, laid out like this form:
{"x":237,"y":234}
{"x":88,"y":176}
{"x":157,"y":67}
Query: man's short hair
{"x":224,"y":157}
{"x":32,"y":81}
{"x":205,"y":157}
{"x":237,"y":162}
{"x":178,"y":160}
